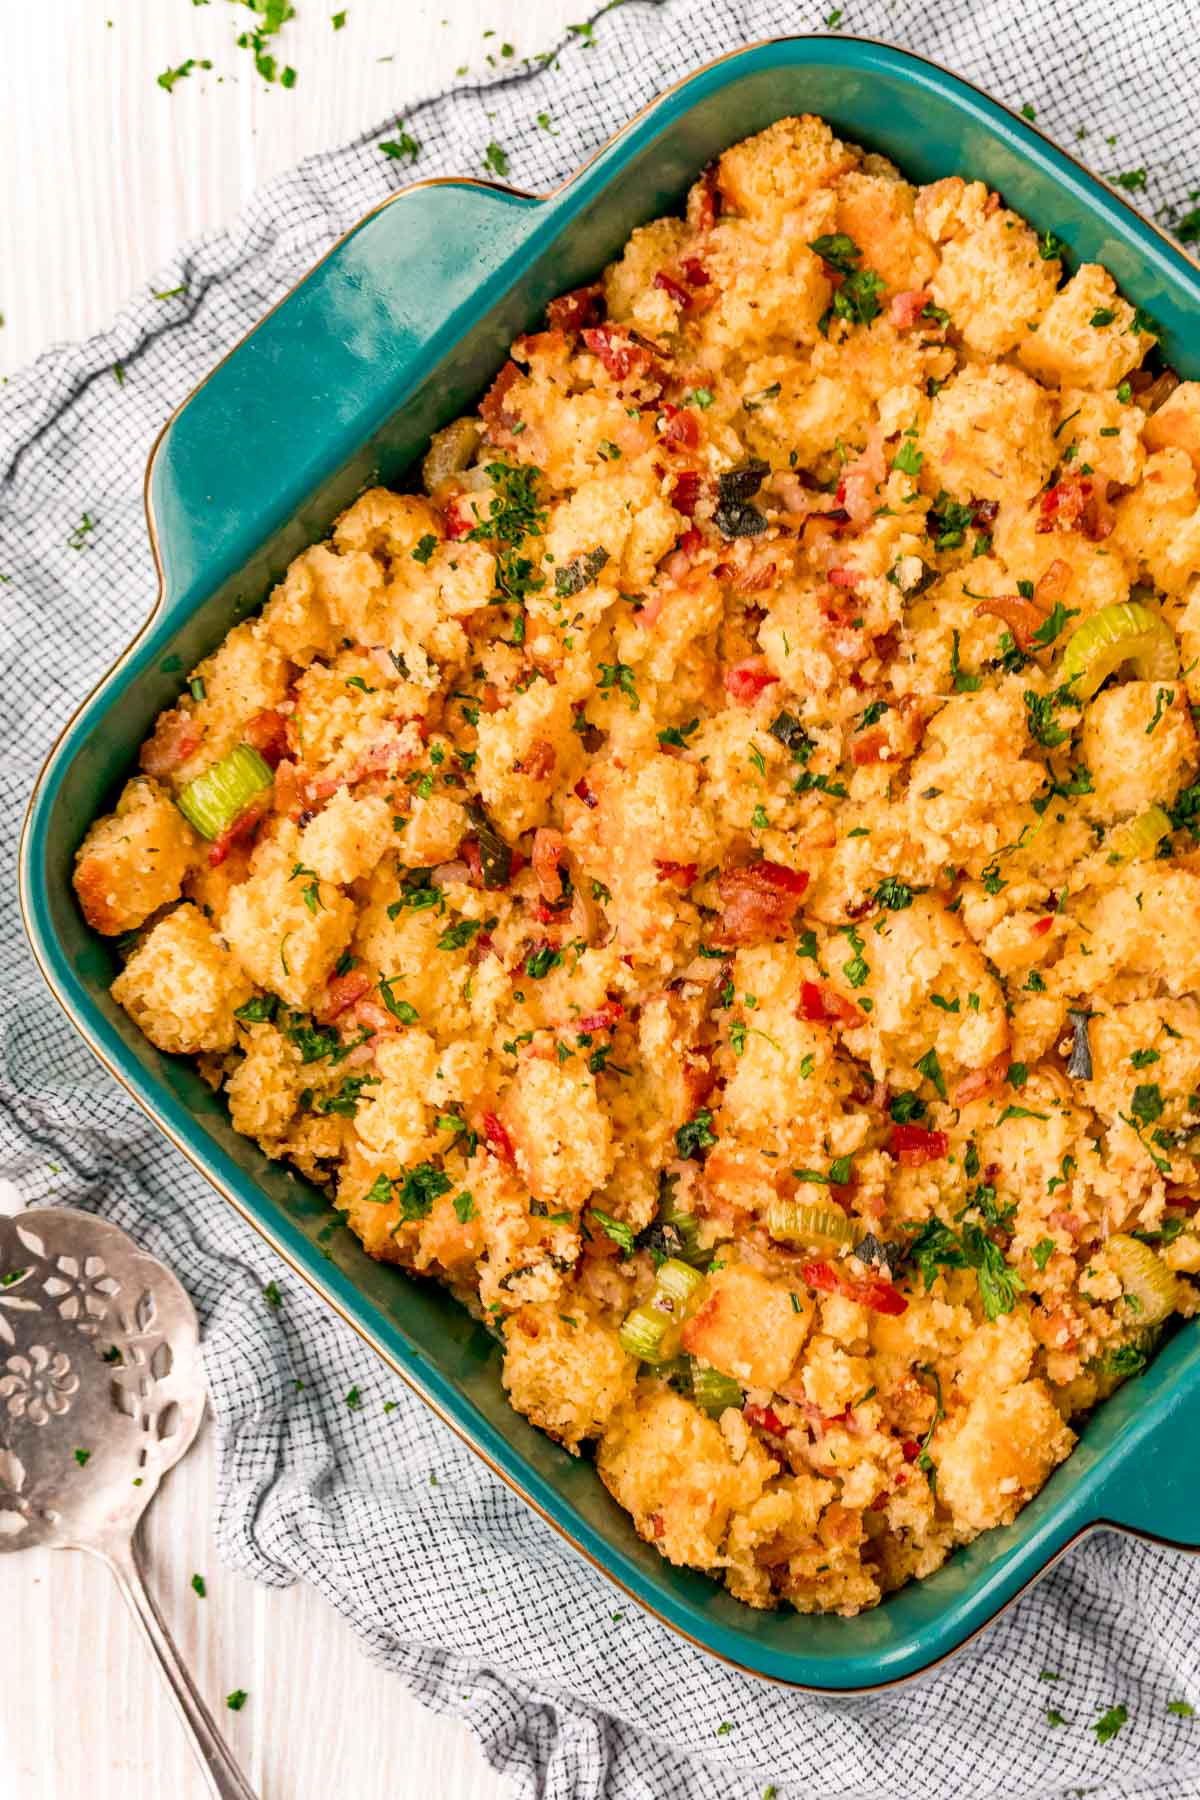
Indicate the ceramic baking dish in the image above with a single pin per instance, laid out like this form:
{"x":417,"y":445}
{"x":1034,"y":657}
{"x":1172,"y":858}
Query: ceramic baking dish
{"x":399,"y":329}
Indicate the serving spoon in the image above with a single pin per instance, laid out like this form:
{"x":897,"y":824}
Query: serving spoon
{"x":101,"y":1392}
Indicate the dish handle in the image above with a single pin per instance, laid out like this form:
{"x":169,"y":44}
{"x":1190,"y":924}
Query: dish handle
{"x":287,"y":412}
{"x":1153,"y":1487}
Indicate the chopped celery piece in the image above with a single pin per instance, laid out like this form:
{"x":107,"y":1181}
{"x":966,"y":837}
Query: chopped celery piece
{"x":686,"y":1224}
{"x":712,"y":1391}
{"x":215,"y":799}
{"x":677,"y":1281}
{"x":821,"y":1226}
{"x":1125,"y":633}
{"x":1146,"y":1276}
{"x":649,"y":1334}
{"x":1139,"y":837}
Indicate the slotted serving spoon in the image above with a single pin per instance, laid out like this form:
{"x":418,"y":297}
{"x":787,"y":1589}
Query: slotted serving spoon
{"x":101,"y":1392}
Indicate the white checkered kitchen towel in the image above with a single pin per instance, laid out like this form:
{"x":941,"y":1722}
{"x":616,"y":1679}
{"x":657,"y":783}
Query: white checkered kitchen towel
{"x":475,"y":1603}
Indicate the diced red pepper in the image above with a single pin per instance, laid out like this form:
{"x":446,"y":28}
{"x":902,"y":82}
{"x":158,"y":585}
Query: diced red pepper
{"x":914,"y":1145}
{"x":764,"y":1418}
{"x":1042,"y":926}
{"x":682,"y":428}
{"x":498,"y":1138}
{"x":821,"y":1004}
{"x":676,"y":289}
{"x":460,"y":517}
{"x":873,"y":1291}
{"x":682,"y":874}
{"x":694,"y":272}
{"x":685,"y":491}
{"x":745,"y":681}
{"x":176,"y":736}
{"x":583,"y":791}
{"x":621,"y":356}
{"x":844,"y":578}
{"x":604,"y":1020}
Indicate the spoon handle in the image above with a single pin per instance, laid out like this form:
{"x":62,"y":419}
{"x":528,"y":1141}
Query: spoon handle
{"x":224,"y":1777}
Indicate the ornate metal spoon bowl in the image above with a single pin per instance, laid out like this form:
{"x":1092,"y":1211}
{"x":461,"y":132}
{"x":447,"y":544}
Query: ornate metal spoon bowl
{"x":101,"y":1391}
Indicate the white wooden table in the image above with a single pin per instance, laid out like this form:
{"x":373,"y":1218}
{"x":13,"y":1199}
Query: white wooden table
{"x":104,"y":173}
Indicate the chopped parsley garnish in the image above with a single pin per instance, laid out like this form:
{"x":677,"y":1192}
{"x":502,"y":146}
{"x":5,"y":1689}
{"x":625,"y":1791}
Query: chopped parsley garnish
{"x":424,"y":548}
{"x":678,"y":735}
{"x":696,"y":1136}
{"x":959,"y":681}
{"x":616,"y":1229}
{"x":403,"y":1010}
{"x":200,"y":1586}
{"x":403,"y":147}
{"x":237,"y":1699}
{"x":929,"y":1066}
{"x":496,"y":159}
{"x":893,"y":894}
{"x":620,"y":676}
{"x":1109,"y":1723}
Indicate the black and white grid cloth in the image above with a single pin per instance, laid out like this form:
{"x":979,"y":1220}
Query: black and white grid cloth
{"x":447,"y":1578}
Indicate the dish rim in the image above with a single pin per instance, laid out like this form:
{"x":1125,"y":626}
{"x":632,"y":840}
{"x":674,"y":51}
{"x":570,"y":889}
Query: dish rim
{"x":146,"y":1102}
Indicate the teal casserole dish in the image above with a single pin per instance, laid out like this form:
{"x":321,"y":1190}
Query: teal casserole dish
{"x":397,"y":331}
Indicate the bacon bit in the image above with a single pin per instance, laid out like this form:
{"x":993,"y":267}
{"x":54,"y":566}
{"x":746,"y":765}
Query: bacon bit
{"x":843,"y":578}
{"x":498,"y":1138}
{"x":1023,"y":617}
{"x":856,"y":490}
{"x":343,"y":991}
{"x":539,"y":343}
{"x":982,"y":1081}
{"x":911,"y":1449}
{"x":682,"y":428}
{"x":361,"y":1056}
{"x":267,"y":732}
{"x":1053,"y":583}
{"x":756,"y":578}
{"x":914,"y":1145}
{"x":460,"y":518}
{"x":873,"y":1291}
{"x":682,"y":874}
{"x":699,"y":1078}
{"x":685,"y":492}
{"x":704,"y":202}
{"x":764,"y":1418}
{"x":582,"y":306}
{"x":871,"y":747}
{"x":604,"y":1020}
{"x":621,"y":356}
{"x":176,"y":736}
{"x":1076,"y":503}
{"x":549,"y":847}
{"x":649,"y":615}
{"x":745,"y":681}
{"x":469,"y":851}
{"x":539,"y":761}
{"x":904,"y":309}
{"x":676,"y":289}
{"x":1042,"y":926}
{"x":658,"y":1525}
{"x":374,"y":1017}
{"x":492,"y":409}
{"x":240,"y":832}
{"x":759,"y":901}
{"x":821,"y":1004}
{"x":490,"y":699}
{"x":694,"y":272}
{"x":583,"y":791}
{"x":1063,"y":1219}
